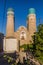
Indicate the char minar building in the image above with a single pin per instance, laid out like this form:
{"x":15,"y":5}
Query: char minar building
{"x":24,"y":34}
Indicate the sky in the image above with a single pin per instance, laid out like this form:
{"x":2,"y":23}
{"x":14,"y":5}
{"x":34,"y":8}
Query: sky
{"x":21,"y":10}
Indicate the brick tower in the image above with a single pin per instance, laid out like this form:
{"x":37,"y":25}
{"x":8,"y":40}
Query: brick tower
{"x":31,"y":23}
{"x":10,"y":23}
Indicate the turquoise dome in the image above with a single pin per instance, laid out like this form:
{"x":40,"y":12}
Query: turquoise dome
{"x":31,"y":11}
{"x":10,"y":9}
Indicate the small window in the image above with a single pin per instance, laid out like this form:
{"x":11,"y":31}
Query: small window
{"x":23,"y":35}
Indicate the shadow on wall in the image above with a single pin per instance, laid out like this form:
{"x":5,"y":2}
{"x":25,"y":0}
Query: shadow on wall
{"x":1,"y":41}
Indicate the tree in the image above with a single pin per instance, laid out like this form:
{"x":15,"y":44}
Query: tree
{"x":38,"y":42}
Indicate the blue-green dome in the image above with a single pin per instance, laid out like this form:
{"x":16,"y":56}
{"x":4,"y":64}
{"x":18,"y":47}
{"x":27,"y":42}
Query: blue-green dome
{"x":31,"y":11}
{"x":10,"y":9}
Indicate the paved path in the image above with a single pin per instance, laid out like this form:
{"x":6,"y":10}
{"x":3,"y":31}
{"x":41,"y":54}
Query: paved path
{"x":36,"y":62}
{"x":22,"y":54}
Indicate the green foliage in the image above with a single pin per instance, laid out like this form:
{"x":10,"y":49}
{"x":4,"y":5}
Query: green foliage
{"x":30,"y":46}
{"x":9,"y":59}
{"x":38,"y":43}
{"x":37,"y":53}
{"x":40,"y":58}
{"x":25,"y":46}
{"x":4,"y":56}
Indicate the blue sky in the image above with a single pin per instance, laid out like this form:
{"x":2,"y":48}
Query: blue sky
{"x":21,"y":10}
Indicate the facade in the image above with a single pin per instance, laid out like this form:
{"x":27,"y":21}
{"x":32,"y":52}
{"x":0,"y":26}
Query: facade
{"x":23,"y":35}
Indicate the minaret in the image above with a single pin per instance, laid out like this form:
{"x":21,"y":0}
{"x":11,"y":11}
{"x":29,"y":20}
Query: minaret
{"x":10,"y":23}
{"x":31,"y":22}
